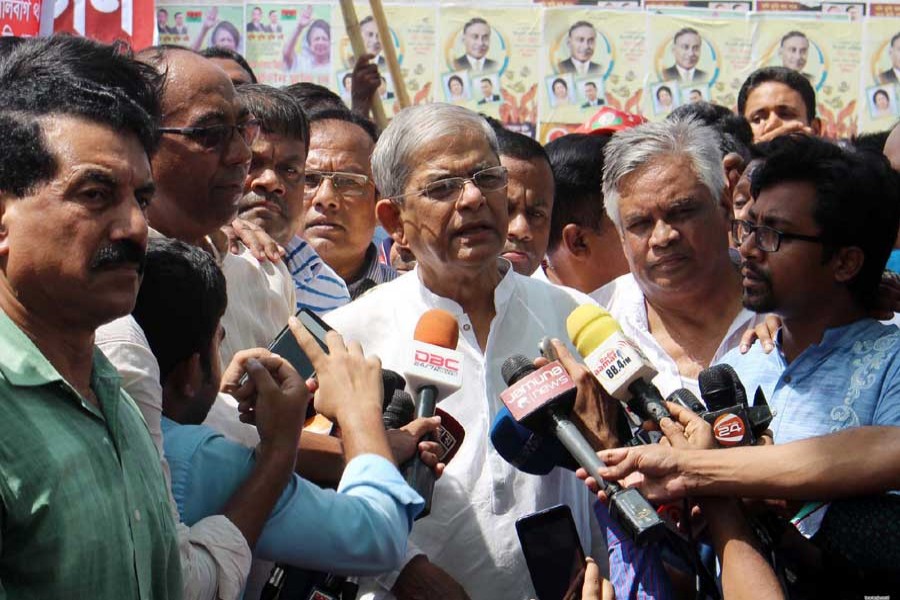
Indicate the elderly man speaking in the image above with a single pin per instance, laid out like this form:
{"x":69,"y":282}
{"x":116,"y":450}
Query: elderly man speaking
{"x":444,"y":196}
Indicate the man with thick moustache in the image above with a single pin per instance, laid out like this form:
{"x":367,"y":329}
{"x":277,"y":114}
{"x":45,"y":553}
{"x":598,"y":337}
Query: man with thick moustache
{"x":83,"y":498}
{"x":444,"y":196}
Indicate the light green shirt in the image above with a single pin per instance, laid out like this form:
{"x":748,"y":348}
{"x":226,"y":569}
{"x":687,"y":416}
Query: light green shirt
{"x":84,"y":508}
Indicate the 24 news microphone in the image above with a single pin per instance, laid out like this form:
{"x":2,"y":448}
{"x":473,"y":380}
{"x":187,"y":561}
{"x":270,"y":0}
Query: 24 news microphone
{"x":540,"y":399}
{"x":433,"y":371}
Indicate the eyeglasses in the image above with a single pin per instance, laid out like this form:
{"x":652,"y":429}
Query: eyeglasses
{"x":349,"y":185}
{"x":217,"y":137}
{"x":767,"y":239}
{"x":492,"y":179}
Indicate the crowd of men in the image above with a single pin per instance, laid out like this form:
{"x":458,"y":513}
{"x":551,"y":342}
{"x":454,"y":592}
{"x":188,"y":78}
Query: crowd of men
{"x":163,"y":217}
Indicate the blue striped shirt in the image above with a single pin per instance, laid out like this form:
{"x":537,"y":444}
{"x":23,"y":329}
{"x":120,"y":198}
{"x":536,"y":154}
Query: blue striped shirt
{"x":318,"y":287}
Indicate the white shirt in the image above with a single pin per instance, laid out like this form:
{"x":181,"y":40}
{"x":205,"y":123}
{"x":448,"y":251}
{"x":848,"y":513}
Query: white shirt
{"x":215,"y":557}
{"x":625,"y":301}
{"x":581,"y":67}
{"x":470,"y":532}
{"x":476,"y":64}
{"x":685,"y":74}
{"x":540,"y":275}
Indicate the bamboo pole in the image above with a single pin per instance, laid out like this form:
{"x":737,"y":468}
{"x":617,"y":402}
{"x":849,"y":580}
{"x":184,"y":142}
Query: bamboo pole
{"x":390,"y":55}
{"x":351,"y":24}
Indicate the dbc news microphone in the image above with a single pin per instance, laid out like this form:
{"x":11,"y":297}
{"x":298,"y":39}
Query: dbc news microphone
{"x":540,"y":400}
{"x":734,"y":422}
{"x":619,"y":365}
{"x":432,"y":370}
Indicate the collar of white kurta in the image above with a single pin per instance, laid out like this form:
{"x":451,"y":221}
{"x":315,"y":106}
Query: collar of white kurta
{"x":502,"y":292}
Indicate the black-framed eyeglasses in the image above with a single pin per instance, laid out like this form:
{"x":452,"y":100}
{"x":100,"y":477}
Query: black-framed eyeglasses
{"x":217,"y":137}
{"x":767,"y":238}
{"x":349,"y":185}
{"x":492,"y":179}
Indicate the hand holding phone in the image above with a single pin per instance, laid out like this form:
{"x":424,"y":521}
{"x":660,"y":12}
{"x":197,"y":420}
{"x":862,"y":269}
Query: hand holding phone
{"x":553,"y":553}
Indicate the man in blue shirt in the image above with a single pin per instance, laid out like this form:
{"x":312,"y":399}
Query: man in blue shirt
{"x":813,"y":247}
{"x":361,"y":528}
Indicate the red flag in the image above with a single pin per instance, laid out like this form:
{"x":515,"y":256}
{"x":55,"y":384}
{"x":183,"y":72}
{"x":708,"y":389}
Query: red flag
{"x":107,"y":20}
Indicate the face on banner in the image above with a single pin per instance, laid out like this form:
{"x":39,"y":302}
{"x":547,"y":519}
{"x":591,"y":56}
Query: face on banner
{"x":201,"y":26}
{"x":882,"y":73}
{"x":290,"y":43}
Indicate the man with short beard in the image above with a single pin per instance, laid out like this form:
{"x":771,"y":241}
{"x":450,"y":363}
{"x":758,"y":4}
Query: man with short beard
{"x":813,"y":246}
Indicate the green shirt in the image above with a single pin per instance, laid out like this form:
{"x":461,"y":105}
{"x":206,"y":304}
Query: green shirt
{"x":85,"y":512}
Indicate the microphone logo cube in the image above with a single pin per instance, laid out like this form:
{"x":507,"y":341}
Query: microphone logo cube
{"x":537,"y":390}
{"x":435,"y":366}
{"x":729,"y":429}
{"x":436,"y":363}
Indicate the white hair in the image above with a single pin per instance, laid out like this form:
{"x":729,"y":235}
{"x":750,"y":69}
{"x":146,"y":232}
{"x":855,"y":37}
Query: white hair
{"x":393,"y":160}
{"x":631,"y":149}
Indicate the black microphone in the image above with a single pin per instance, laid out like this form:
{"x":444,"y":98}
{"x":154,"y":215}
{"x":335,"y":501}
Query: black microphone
{"x":399,"y":411}
{"x":390,"y":381}
{"x":734,"y":423}
{"x":540,"y":399}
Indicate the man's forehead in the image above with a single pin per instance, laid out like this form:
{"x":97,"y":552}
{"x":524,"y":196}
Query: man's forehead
{"x":197,"y":85}
{"x":584,"y":31}
{"x":478,"y":29}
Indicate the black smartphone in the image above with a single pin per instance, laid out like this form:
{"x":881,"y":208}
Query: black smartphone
{"x":553,"y":553}
{"x":285,"y":344}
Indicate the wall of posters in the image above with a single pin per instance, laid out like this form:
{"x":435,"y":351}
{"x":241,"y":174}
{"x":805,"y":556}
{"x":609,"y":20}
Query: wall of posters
{"x":414,"y":37}
{"x":545,"y":67}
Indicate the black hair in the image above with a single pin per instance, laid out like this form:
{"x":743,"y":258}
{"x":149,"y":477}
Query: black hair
{"x":514,"y":144}
{"x":73,"y":76}
{"x":455,"y":78}
{"x":684,"y":31}
{"x":229,"y":54}
{"x":560,"y":80}
{"x":857,"y":199}
{"x":344,"y":78}
{"x":320,"y":24}
{"x":314,"y":97}
{"x":475,"y":21}
{"x":734,"y":130}
{"x":8,"y":42}
{"x":661,"y":88}
{"x":273,"y":12}
{"x":794,"y":80}
{"x":591,"y":83}
{"x":883,"y":93}
{"x":488,"y":79}
{"x":342,"y":114}
{"x":577,"y":163}
{"x":578,"y":25}
{"x":180,"y":303}
{"x":894,"y":39}
{"x":790,"y":34}
{"x":368,"y":19}
{"x":278,"y":112}
{"x":176,"y":14}
{"x":872,"y":142}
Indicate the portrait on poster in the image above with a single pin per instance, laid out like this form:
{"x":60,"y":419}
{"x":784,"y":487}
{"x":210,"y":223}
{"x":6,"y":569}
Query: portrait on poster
{"x":583,"y":51}
{"x":695,"y":93}
{"x":591,"y":92}
{"x":882,"y":101}
{"x":477,"y":48}
{"x":456,"y":87}
{"x":889,"y":57}
{"x":687,"y":57}
{"x":665,"y":97}
{"x":488,"y":88}
{"x":345,"y":84}
{"x":199,"y":26}
{"x":560,"y":90}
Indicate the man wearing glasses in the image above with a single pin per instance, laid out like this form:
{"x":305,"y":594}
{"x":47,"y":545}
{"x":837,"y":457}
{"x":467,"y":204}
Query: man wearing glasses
{"x":339,"y":196}
{"x":813,"y":247}
{"x":443,"y":195}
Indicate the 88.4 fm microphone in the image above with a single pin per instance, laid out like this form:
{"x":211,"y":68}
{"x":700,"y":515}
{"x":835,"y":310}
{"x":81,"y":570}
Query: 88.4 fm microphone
{"x":433,"y":371}
{"x":540,"y":399}
{"x":619,"y":365}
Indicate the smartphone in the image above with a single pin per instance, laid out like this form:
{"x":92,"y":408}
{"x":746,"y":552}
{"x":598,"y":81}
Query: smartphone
{"x":285,"y":344}
{"x":553,"y":553}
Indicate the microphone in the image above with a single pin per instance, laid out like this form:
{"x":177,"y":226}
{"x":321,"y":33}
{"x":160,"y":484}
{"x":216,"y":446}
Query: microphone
{"x":734,"y":422}
{"x":619,"y":365}
{"x":432,"y":370}
{"x":449,"y":435}
{"x":399,"y":411}
{"x":526,"y":450}
{"x":391,"y":381}
{"x":539,"y":399}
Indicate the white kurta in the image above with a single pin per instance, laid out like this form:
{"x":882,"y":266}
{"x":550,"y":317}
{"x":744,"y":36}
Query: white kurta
{"x":471,"y":530}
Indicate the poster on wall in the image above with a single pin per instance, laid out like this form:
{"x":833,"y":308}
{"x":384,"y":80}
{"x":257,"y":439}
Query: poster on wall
{"x":855,"y":10}
{"x":488,"y":62}
{"x":414,"y":37}
{"x":827,"y":50}
{"x":590,"y":58}
{"x":716,"y":5}
{"x":130,"y":21}
{"x":201,"y":25}
{"x":26,"y":18}
{"x":880,"y":74}
{"x":695,"y":56}
{"x":289,"y":43}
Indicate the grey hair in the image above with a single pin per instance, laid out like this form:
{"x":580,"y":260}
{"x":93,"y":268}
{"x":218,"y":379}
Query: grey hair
{"x":393,"y":160}
{"x":631,"y":149}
